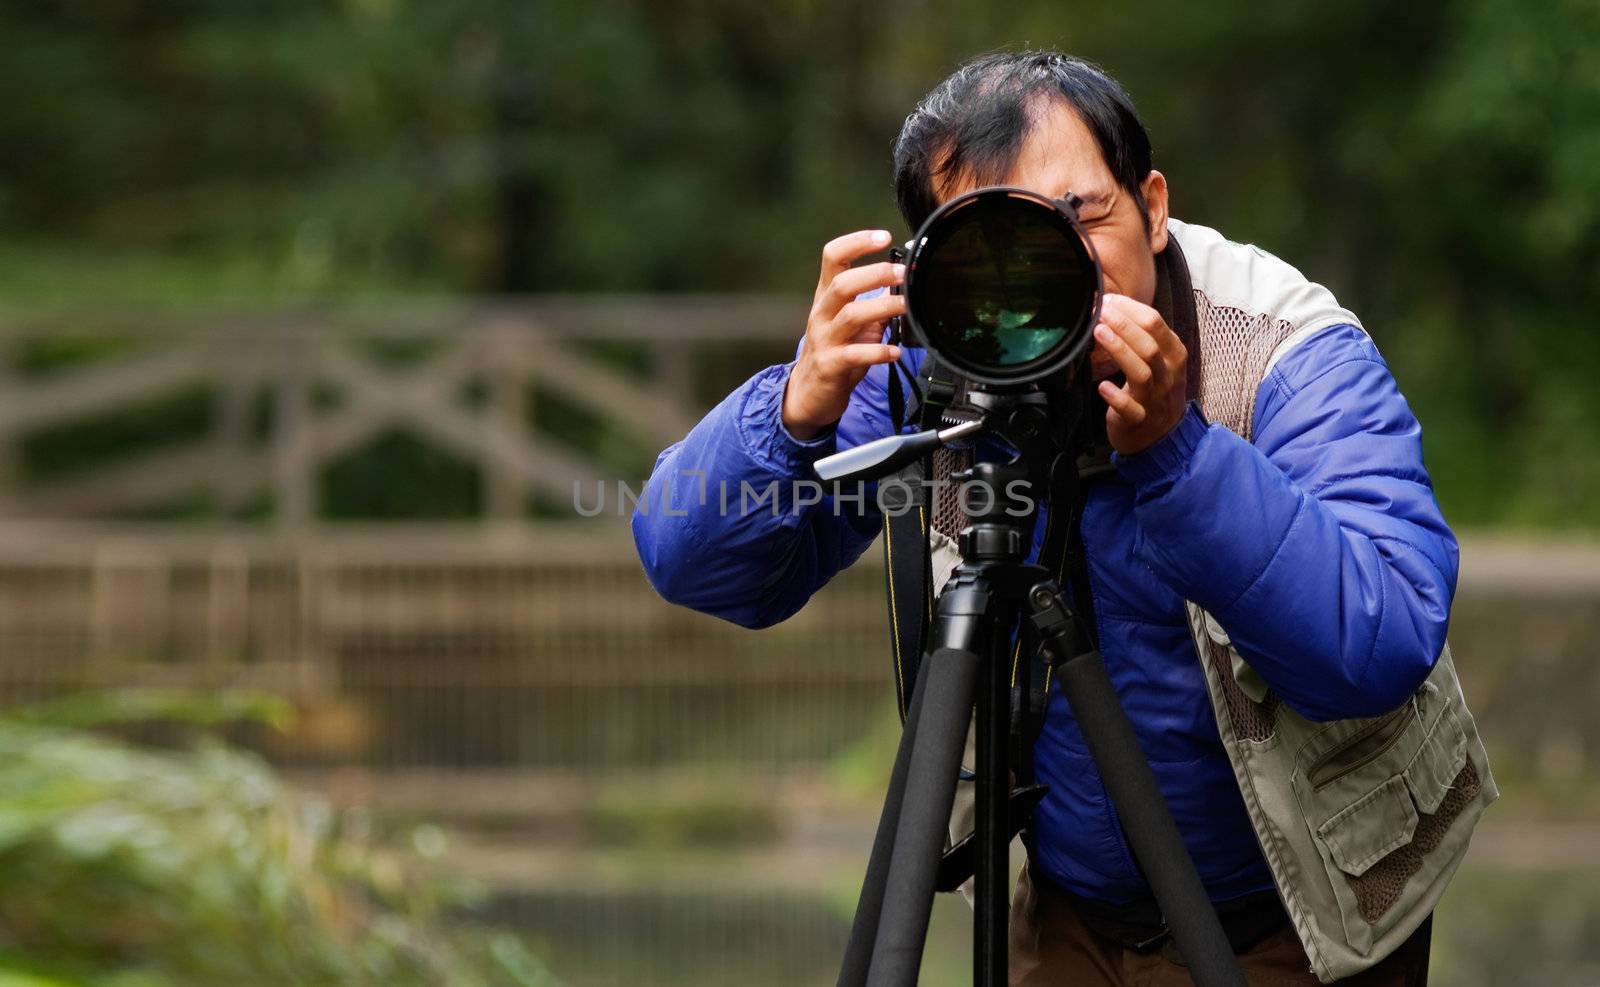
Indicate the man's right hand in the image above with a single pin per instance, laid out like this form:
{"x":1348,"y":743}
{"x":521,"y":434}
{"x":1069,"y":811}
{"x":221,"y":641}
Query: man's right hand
{"x":844,"y":336}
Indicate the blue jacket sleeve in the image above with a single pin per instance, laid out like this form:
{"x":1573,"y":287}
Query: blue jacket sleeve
{"x":732,"y":523}
{"x":1319,"y":548}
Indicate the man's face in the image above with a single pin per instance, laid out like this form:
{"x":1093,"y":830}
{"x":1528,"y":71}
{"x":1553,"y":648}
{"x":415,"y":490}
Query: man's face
{"x":1062,"y":156}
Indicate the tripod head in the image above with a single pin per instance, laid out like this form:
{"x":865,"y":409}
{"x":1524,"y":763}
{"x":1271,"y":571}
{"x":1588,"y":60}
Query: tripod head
{"x":1037,"y":425}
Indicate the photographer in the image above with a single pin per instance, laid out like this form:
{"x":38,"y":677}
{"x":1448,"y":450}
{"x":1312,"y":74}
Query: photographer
{"x":1298,"y":521}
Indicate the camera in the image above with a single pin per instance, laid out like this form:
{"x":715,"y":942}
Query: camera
{"x":1002,"y":286}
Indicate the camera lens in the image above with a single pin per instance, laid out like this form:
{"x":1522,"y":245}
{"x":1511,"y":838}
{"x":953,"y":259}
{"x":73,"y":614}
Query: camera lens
{"x":1002,"y":286}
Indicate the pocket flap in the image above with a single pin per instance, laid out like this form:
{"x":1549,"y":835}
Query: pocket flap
{"x":1370,"y":828}
{"x":1440,"y":758}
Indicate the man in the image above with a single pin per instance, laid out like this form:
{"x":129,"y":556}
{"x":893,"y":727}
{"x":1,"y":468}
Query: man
{"x":1318,"y":760}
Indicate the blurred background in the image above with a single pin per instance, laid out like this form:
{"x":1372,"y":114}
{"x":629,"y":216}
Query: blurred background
{"x":313,"y":314}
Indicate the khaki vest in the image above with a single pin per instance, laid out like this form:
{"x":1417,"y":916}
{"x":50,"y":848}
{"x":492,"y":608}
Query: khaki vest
{"x":1362,"y":822}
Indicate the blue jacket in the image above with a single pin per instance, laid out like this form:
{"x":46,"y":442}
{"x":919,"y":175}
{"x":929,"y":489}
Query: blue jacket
{"x":1318,"y":546}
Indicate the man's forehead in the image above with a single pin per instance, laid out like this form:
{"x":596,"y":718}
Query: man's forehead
{"x":1059,"y":155}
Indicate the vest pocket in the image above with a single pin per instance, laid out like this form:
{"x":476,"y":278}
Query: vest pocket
{"x":1378,"y":823}
{"x":1374,"y":739}
{"x":1388,"y":801}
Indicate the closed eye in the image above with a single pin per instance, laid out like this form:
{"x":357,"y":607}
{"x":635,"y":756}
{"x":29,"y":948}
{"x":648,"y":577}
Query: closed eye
{"x":1092,"y":207}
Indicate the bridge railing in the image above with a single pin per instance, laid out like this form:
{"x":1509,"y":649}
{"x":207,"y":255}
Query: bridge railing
{"x":285,"y":395}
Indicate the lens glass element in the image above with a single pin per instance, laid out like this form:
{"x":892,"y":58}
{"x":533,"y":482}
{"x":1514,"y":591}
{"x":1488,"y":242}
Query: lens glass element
{"x":1003,"y":287}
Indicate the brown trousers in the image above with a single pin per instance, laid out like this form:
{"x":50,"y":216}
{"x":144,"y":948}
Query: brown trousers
{"x":1051,"y":945}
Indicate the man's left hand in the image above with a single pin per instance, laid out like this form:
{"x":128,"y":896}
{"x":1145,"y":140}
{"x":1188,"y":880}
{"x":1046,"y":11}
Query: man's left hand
{"x":1154,"y":362}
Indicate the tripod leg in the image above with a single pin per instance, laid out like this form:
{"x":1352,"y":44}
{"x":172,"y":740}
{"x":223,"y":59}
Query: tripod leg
{"x":869,"y":908}
{"x":1146,"y":821}
{"x":949,"y":676}
{"x":991,"y":905}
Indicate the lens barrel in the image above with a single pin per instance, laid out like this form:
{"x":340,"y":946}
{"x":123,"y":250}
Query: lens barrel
{"x":1003,"y":286}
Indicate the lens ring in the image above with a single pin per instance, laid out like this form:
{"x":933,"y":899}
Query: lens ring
{"x":1003,"y":286}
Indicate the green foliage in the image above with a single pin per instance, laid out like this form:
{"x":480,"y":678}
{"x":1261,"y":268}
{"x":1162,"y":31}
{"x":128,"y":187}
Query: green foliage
{"x":396,"y":476}
{"x":687,"y":817}
{"x":180,"y":416}
{"x":126,"y":867}
{"x":85,"y":710}
{"x":1437,"y":164}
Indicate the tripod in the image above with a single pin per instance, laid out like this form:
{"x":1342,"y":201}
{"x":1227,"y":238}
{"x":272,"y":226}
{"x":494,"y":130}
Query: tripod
{"x":966,"y":668}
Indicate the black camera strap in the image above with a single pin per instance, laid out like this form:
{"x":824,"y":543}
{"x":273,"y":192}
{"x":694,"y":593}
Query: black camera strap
{"x":908,"y":572}
{"x":907,"y":520}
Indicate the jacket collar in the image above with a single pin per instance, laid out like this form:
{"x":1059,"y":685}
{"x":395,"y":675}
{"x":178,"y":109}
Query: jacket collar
{"x":1175,"y":303}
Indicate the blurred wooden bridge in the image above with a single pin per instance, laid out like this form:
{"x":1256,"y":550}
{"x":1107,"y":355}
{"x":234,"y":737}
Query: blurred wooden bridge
{"x":292,"y":394}
{"x":505,"y":637}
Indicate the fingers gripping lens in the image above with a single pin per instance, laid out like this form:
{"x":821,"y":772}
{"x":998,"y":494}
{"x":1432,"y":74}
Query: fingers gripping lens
{"x":1003,"y":286}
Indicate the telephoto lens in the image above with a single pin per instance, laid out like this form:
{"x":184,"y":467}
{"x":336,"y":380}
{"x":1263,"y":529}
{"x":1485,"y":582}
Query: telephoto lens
{"x":1003,"y":286}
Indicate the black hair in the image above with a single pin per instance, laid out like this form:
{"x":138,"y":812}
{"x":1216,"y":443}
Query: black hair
{"x":973,"y":124}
